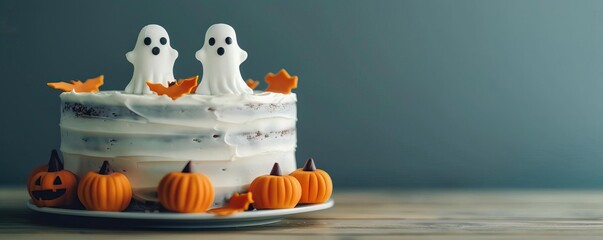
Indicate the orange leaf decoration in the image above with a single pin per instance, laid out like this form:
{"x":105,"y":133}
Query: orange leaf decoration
{"x":238,"y":203}
{"x":90,"y":85}
{"x":281,"y":82}
{"x":175,"y":89}
{"x":252,"y":83}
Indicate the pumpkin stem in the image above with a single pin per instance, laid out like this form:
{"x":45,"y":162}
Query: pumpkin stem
{"x":105,"y":169}
{"x":309,"y":167}
{"x":276,"y":170}
{"x":188,"y":168}
{"x":54,"y":164}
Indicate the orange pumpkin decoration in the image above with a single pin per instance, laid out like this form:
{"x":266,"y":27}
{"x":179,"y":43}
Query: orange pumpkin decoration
{"x":105,"y":190}
{"x":38,"y":169}
{"x":53,"y":187}
{"x":275,"y":191}
{"x":316,"y":184}
{"x":185,"y":191}
{"x":43,"y":167}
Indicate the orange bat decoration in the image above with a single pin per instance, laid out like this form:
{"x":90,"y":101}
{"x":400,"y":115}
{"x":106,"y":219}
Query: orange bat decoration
{"x":252,"y":83}
{"x":90,"y":85}
{"x":281,"y":82}
{"x":175,"y":89}
{"x":237,"y":203}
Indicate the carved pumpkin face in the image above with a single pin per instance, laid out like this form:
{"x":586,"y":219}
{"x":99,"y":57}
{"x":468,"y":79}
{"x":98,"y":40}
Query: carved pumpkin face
{"x":34,"y":172}
{"x":55,"y":187}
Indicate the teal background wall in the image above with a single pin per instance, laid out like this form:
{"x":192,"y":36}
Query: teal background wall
{"x":406,"y":94}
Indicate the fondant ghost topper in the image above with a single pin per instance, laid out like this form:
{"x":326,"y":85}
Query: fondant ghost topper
{"x":153,"y":58}
{"x":221,"y":57}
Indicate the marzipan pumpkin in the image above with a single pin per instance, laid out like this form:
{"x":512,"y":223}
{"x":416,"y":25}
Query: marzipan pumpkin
{"x":275,"y":191}
{"x":53,"y":187}
{"x":105,"y":190}
{"x":185,"y":191}
{"x":316,"y":184}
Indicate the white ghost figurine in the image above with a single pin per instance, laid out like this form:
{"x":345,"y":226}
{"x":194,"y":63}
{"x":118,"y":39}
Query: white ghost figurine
{"x":221,"y":57}
{"x":153,"y":58}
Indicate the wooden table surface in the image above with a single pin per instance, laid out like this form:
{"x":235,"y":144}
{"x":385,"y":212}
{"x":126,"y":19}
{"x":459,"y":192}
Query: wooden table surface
{"x":373,"y":214}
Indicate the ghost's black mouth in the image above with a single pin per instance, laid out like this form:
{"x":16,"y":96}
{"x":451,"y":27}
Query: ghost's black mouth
{"x":155,"y":51}
{"x":48,"y":194}
{"x":221,"y":51}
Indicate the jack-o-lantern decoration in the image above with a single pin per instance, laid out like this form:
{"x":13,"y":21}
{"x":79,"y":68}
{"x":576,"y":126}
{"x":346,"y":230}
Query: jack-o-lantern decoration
{"x":185,"y":191}
{"x":275,"y":191}
{"x":53,"y":187}
{"x":38,"y":169}
{"x":316,"y":184}
{"x":44,"y":167}
{"x":105,"y":190}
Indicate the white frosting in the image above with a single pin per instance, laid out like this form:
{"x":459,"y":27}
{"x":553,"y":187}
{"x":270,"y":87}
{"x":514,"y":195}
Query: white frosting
{"x":231,"y":138}
{"x":153,"y":58}
{"x":221,"y":57}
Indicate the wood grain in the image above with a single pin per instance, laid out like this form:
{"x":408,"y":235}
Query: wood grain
{"x":375,"y":214}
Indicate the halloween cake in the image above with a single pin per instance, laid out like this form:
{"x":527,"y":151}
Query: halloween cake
{"x":156,"y":125}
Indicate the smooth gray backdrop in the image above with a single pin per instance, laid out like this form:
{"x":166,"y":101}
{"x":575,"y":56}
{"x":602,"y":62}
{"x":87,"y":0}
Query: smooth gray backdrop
{"x":391,"y":93}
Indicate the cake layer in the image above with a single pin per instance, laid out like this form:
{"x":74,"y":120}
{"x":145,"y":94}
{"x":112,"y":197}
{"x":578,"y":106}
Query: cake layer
{"x":232,"y":139}
{"x":195,"y":127}
{"x":190,"y":110}
{"x":118,"y":138}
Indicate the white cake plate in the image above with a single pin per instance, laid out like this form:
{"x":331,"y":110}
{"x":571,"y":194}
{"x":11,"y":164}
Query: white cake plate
{"x":173,"y":220}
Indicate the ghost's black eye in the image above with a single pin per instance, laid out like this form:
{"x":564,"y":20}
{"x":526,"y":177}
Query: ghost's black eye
{"x":57,"y":181}
{"x":212,"y":41}
{"x":38,"y":181}
{"x":163,"y":41}
{"x":228,"y":40}
{"x":147,"y":41}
